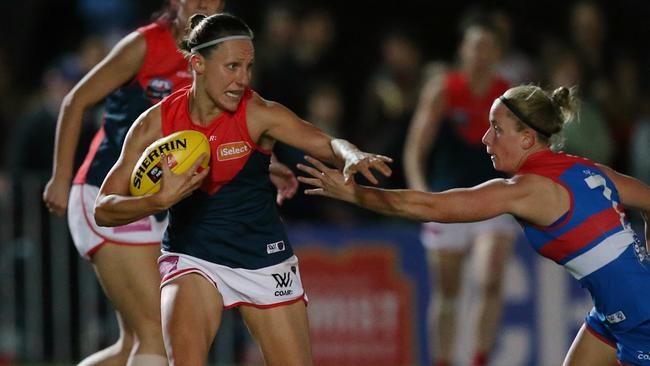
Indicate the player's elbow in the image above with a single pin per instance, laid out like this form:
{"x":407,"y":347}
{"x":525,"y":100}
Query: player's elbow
{"x":102,"y":215}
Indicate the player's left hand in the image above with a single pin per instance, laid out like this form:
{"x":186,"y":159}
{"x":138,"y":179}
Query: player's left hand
{"x":284,"y":180}
{"x":363,"y":162}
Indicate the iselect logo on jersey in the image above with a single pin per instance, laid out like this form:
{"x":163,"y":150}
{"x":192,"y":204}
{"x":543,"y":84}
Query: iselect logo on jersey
{"x":233,"y":150}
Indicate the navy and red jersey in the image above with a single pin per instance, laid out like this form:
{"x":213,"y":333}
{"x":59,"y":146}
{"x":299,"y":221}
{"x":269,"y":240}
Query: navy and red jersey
{"x":459,"y":158}
{"x":593,"y":240}
{"x":232,"y":219}
{"x":164,"y":70}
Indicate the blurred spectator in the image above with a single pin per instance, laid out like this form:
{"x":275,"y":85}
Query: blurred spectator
{"x":623,"y":106}
{"x":588,"y":34}
{"x":514,"y":66}
{"x":109,"y":18}
{"x":314,"y":46}
{"x":325,"y":109}
{"x":276,"y":74}
{"x":296,"y":50}
{"x":33,"y":131}
{"x":588,"y":135}
{"x":640,"y":149}
{"x":10,"y":103}
{"x":389,"y":101}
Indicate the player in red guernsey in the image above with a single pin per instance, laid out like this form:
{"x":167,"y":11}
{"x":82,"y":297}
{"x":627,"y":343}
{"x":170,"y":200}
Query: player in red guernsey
{"x":225,"y":244}
{"x":144,"y":67}
{"x":570,"y":209}
{"x":444,"y":145}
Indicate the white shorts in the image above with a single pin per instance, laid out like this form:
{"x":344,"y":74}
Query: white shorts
{"x":266,"y":287}
{"x":88,"y":237}
{"x":460,"y":236}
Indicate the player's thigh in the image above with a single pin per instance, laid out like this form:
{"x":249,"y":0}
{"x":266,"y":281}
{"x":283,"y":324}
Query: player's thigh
{"x":491,"y":253}
{"x":191,"y":309}
{"x":282,"y":333}
{"x":130,"y":278}
{"x":588,"y":350}
{"x":446,"y":269}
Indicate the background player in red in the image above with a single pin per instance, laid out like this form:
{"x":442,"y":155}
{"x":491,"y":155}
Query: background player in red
{"x":225,"y":245}
{"x":447,"y":125}
{"x":570,"y":210}
{"x":144,"y":67}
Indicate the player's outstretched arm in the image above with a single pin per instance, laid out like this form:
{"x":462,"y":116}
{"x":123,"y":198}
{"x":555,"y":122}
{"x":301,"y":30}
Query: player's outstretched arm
{"x":518,"y":196}
{"x":272,"y":121}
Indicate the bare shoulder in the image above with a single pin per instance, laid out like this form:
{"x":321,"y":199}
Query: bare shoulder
{"x":146,"y":129}
{"x":260,"y":108}
{"x":540,"y":200}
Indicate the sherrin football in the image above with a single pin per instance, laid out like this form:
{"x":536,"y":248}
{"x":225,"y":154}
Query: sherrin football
{"x":181,"y":149}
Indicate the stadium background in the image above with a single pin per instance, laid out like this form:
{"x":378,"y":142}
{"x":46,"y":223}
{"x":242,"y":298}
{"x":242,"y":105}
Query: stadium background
{"x":365,"y":274}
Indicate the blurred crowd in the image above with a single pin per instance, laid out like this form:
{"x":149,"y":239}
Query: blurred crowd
{"x":303,"y":63}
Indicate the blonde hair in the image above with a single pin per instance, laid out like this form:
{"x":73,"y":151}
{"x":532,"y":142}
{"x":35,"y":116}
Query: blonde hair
{"x":545,"y":111}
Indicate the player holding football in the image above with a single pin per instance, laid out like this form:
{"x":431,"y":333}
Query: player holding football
{"x":142,"y":68}
{"x":225,"y":245}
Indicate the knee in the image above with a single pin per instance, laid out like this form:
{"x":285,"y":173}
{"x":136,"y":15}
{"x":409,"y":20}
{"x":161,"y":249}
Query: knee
{"x":148,"y":329}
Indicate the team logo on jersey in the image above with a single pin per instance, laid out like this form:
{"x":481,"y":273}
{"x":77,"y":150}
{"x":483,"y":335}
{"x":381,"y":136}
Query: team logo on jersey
{"x":275,"y":247}
{"x":233,"y":150}
{"x":617,"y":317}
{"x":159,"y":88}
{"x":283,"y":280}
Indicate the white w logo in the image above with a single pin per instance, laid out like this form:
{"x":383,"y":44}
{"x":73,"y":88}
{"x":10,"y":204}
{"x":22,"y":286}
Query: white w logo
{"x":283,"y":280}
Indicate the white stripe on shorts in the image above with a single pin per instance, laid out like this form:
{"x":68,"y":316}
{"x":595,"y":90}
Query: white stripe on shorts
{"x":600,"y":255}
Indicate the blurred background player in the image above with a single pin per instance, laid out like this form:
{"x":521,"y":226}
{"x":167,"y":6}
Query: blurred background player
{"x":448,"y":124}
{"x":144,"y":67}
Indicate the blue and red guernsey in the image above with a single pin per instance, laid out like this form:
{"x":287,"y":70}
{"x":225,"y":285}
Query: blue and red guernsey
{"x":163,"y":71}
{"x":232,"y":219}
{"x":593,"y":240}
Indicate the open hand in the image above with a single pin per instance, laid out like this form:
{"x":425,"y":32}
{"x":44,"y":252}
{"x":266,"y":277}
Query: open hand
{"x":328,"y":182}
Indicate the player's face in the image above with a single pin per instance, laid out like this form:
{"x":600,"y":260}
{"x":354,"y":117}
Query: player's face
{"x":480,"y":50}
{"x":187,"y":8}
{"x":503,"y":141}
{"x":228,"y":71}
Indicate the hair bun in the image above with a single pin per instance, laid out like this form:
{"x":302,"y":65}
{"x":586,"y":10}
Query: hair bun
{"x":561,"y":97}
{"x":196,"y":19}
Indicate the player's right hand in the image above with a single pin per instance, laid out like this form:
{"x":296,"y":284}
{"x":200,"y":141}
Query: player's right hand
{"x":175,"y":187}
{"x":56,"y":195}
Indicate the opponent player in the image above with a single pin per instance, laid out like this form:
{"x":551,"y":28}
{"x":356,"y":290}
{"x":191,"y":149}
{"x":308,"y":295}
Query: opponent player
{"x":141,"y":69}
{"x":450,"y":120}
{"x":570,"y":210}
{"x":225,"y":245}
